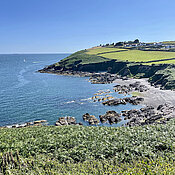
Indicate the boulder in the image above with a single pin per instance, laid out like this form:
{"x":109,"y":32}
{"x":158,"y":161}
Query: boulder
{"x":66,"y":121}
{"x":91,"y":119}
{"x":111,"y":117}
{"x":40,"y":121}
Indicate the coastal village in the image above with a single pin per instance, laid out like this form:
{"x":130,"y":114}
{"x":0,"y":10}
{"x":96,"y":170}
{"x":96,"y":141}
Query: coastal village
{"x":165,"y":45}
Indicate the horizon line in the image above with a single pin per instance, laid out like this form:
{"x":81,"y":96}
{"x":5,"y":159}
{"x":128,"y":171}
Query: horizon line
{"x":36,"y":53}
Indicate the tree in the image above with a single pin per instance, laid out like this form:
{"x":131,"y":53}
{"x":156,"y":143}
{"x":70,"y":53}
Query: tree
{"x":136,"y":41}
{"x":119,"y":44}
{"x":130,"y":42}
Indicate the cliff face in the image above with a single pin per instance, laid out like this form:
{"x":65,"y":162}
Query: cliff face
{"x":164,"y":77}
{"x":158,"y":74}
{"x":110,"y":66}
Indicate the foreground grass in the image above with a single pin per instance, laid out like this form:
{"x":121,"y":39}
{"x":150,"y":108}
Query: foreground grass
{"x":73,"y":148}
{"x":75,"y":143}
{"x":45,"y":165}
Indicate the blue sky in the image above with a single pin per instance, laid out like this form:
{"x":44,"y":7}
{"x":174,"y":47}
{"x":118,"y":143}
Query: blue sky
{"x":53,"y":26}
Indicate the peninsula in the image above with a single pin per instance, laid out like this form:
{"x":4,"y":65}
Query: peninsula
{"x":134,"y":59}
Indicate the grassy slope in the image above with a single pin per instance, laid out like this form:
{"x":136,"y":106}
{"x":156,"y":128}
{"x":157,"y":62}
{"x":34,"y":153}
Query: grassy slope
{"x":99,"y":50}
{"x":166,"y":78}
{"x":81,"y":57}
{"x":44,"y":165}
{"x":78,"y":145}
{"x":168,"y":42}
{"x":101,"y":54}
{"x":140,"y":56}
{"x":134,"y":55}
{"x":131,"y":63}
{"x":161,"y":62}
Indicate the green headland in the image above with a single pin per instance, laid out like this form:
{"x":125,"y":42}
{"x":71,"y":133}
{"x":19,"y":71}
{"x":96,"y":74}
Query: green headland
{"x":155,"y":61}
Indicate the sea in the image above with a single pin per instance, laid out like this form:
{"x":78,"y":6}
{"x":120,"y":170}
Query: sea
{"x":27,"y":95}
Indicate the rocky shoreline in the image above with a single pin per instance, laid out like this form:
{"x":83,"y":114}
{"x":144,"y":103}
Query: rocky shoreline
{"x":94,"y":78}
{"x":135,"y":117}
{"x":150,"y":115}
{"x":27,"y":124}
{"x":144,"y":116}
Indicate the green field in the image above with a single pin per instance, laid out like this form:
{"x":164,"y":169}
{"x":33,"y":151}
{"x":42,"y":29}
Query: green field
{"x":101,"y":54}
{"x":139,"y":56}
{"x":99,"y":50}
{"x":79,"y":149}
{"x":134,"y":55}
{"x":168,"y":42}
{"x":161,"y":62}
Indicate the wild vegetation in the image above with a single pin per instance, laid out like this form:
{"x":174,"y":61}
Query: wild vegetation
{"x":68,"y":148}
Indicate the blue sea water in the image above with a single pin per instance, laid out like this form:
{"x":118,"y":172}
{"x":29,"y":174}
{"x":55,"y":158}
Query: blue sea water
{"x":26,"y":95}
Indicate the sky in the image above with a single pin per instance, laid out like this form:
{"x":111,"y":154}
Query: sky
{"x":65,"y":26}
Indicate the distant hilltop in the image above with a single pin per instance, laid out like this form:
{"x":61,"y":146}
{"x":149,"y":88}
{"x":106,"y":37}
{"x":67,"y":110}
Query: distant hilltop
{"x":155,"y":61}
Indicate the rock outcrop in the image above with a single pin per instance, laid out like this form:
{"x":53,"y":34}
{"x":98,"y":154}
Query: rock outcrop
{"x":149,"y":115}
{"x":110,"y":116}
{"x":132,"y":100}
{"x":91,"y":119}
{"x":66,"y":121}
{"x":103,"y":78}
{"x":27,"y":124}
{"x":124,"y":89}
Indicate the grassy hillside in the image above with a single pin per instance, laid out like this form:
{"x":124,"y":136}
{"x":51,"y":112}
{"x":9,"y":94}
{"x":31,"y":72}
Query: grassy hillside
{"x":123,"y":61}
{"x":101,"y":50}
{"x":140,"y":56}
{"x":77,"y":149}
{"x":102,"y":54}
{"x":133,"y":55}
{"x":81,"y":58}
{"x":168,"y":42}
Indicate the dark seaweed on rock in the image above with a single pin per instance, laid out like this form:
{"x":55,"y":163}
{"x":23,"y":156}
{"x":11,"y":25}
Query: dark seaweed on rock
{"x":132,"y":100}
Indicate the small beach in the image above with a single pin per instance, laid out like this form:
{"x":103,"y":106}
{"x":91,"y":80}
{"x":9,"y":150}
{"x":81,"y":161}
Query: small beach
{"x":153,"y":96}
